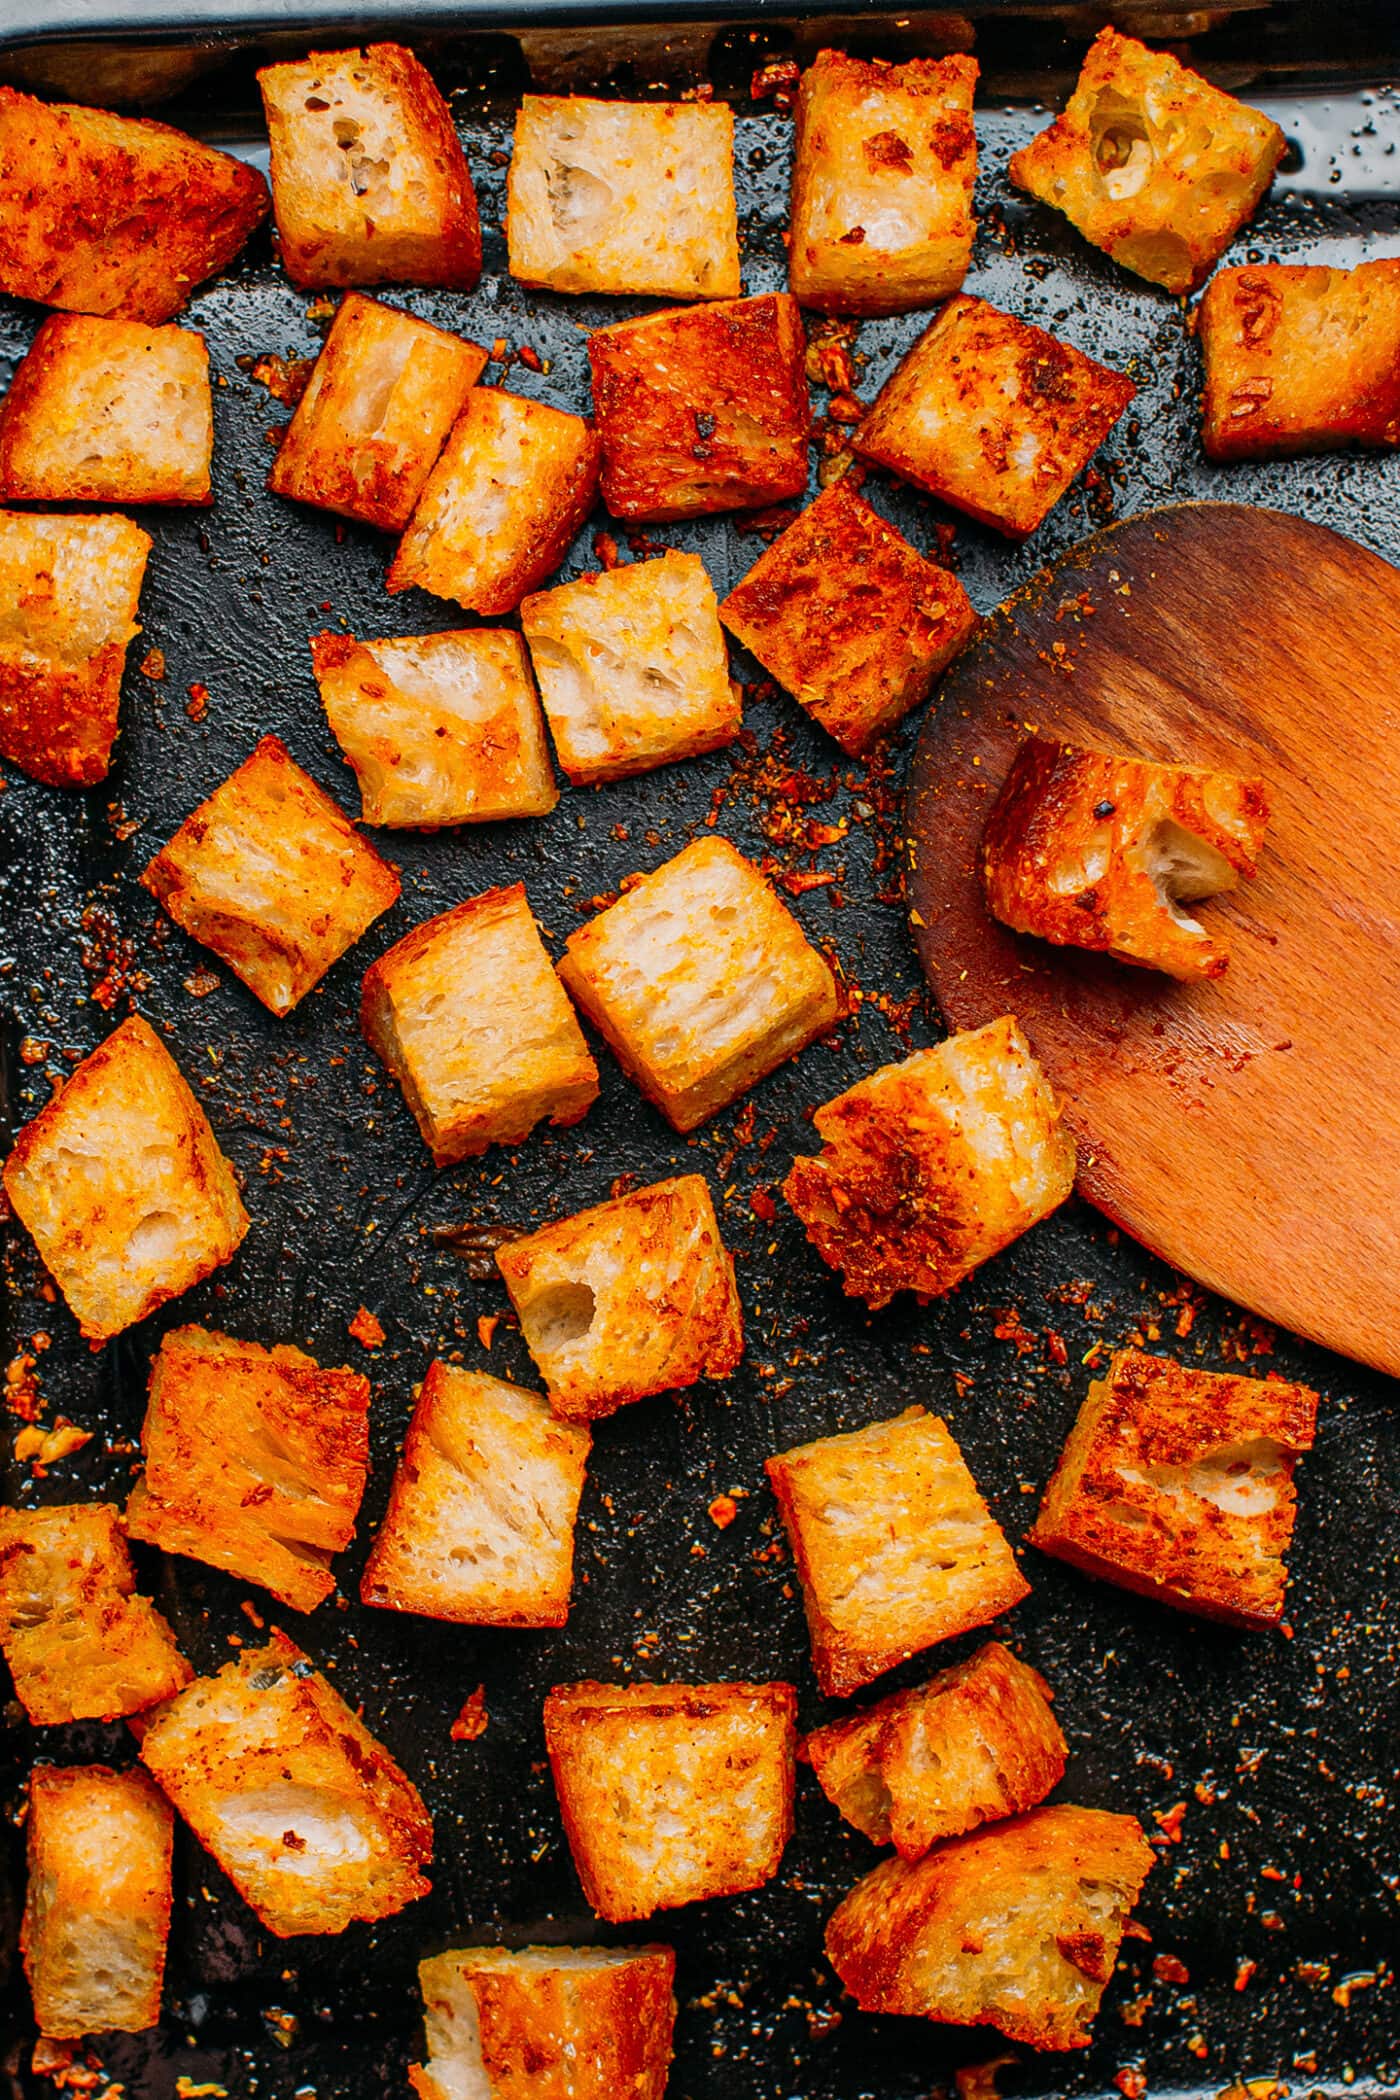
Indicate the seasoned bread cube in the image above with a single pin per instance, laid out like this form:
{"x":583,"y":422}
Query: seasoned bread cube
{"x":97,"y":1912}
{"x":515,"y":481}
{"x":68,"y":595}
{"x":440,"y":728}
{"x":468,"y":1014}
{"x":895,"y":1547}
{"x":1300,"y":358}
{"x":883,"y":167}
{"x":632,"y":667}
{"x":480,"y":1526}
{"x":672,"y":1793}
{"x":369,"y":180}
{"x":123,"y":1186}
{"x":1178,"y":1484}
{"x":992,"y":415}
{"x":80,"y":1643}
{"x":702,"y":408}
{"x":633,"y":197}
{"x":1016,"y":1927}
{"x":632,"y":1298}
{"x":976,"y":1743}
{"x":273,"y":877}
{"x":846,"y":615}
{"x":700,"y":981}
{"x":931,"y":1166}
{"x":104,"y":411}
{"x":1151,"y":163}
{"x":1095,"y":850}
{"x":309,"y":1816}
{"x":255,"y":1461}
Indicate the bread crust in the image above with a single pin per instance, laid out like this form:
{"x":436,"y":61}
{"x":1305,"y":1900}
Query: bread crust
{"x":1300,"y":358}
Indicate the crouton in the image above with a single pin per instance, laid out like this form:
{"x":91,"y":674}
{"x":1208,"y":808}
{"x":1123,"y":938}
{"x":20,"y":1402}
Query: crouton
{"x":700,"y":981}
{"x":271,"y":876}
{"x":547,"y":2023}
{"x":633,"y":668}
{"x":976,"y":1743}
{"x":480,"y":1526}
{"x":97,"y":1912}
{"x":309,"y":1816}
{"x":122,"y":1184}
{"x":632,"y":1298}
{"x":672,"y":1793}
{"x":931,"y":1166}
{"x":369,"y":180}
{"x":1300,"y":358}
{"x":849,"y":618}
{"x":1016,"y":1927}
{"x":440,"y":728}
{"x":468,"y":1014}
{"x":513,"y":485}
{"x":68,"y":595}
{"x":634,"y":197}
{"x":80,"y":1643}
{"x":115,"y":215}
{"x":103,"y":411}
{"x":992,"y":415}
{"x":702,"y":408}
{"x":1151,"y":163}
{"x":883,"y":167}
{"x":894,"y":1546}
{"x":1178,"y":1484}
{"x":382,"y":396}
{"x":1095,"y":850}
{"x":255,"y":1461}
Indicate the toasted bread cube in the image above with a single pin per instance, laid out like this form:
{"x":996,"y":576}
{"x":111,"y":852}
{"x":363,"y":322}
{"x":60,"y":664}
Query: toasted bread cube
{"x":846,"y":615}
{"x":931,"y":1166}
{"x":255,"y":1461}
{"x":633,"y":668}
{"x":307,"y":1814}
{"x":1016,"y":1927}
{"x":1151,"y":163}
{"x":123,"y":1186}
{"x":369,"y":181}
{"x":895,"y":1547}
{"x":672,"y":1793}
{"x":1300,"y":358}
{"x":468,"y":1014}
{"x":68,"y":594}
{"x":634,"y":197}
{"x":97,"y":1912}
{"x":976,"y":1743}
{"x":632,"y":1298}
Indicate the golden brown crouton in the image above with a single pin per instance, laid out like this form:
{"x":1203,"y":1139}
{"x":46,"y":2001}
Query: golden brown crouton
{"x":895,"y":1547}
{"x":468,"y":1014}
{"x":1178,"y":1484}
{"x":702,"y":408}
{"x":634,"y":1297}
{"x":1151,"y":163}
{"x":1016,"y":1927}
{"x":700,"y":981}
{"x":633,"y":197}
{"x":846,"y":615}
{"x":1300,"y":358}
{"x":672,"y":1793}
{"x":97,"y":1913}
{"x":271,"y":876}
{"x":123,"y":1186}
{"x":68,"y":594}
{"x":369,"y":180}
{"x":975,"y":1743}
{"x":255,"y":1461}
{"x":309,"y":1816}
{"x":883,"y":167}
{"x":114,"y":215}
